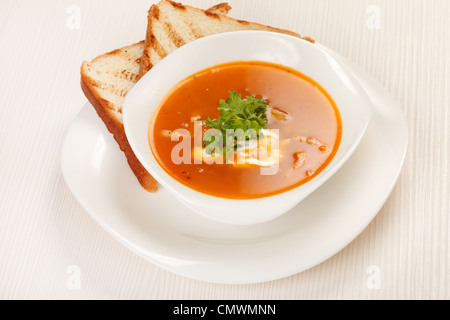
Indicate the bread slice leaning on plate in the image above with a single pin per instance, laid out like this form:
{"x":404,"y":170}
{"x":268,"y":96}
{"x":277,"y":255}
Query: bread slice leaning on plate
{"x":106,"y":80}
{"x":172,"y":25}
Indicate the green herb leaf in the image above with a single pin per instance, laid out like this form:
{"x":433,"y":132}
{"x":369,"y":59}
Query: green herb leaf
{"x":237,"y":114}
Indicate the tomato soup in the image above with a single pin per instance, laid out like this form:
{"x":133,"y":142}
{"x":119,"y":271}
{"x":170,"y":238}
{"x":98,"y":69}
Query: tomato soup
{"x":301,"y":115}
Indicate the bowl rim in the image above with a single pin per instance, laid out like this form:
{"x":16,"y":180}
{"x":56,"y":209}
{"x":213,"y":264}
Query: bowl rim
{"x":197,"y":200}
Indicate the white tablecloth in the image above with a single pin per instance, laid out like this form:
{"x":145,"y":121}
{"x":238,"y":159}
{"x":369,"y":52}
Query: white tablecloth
{"x":46,"y":238}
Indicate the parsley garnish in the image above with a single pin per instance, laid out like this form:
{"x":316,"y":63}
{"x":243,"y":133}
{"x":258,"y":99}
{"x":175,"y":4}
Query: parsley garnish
{"x":245,"y":117}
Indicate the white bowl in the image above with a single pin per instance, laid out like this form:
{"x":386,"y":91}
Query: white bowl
{"x":354,"y":106}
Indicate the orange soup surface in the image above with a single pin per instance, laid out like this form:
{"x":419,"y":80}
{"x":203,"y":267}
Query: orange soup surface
{"x":306,"y":117}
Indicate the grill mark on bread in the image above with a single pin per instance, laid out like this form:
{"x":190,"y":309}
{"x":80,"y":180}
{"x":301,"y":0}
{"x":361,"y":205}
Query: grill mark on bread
{"x":221,"y":8}
{"x":154,"y":57}
{"x":153,"y":12}
{"x":195,"y":33}
{"x":212,"y":15}
{"x":159,"y":49}
{"x":177,"y":5}
{"x":145,"y":64}
{"x":189,"y":24}
{"x":176,"y":39}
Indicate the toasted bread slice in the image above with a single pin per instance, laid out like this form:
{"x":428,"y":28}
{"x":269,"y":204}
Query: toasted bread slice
{"x":171,"y":25}
{"x":106,"y":80}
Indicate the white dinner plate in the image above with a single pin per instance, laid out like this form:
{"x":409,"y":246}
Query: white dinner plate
{"x":160,"y":229}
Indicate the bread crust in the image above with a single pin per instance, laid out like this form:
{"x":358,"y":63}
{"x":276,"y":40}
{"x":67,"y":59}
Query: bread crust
{"x":117,"y":129}
{"x":219,"y":12}
{"x":221,"y":8}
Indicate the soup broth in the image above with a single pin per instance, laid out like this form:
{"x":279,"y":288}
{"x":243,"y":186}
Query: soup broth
{"x":306,"y":117}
